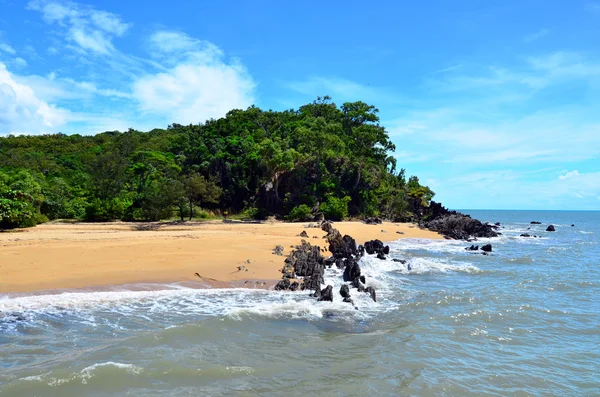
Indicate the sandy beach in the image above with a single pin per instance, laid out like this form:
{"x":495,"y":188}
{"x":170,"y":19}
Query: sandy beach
{"x":86,"y":255}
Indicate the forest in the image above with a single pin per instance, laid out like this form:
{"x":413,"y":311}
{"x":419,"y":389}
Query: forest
{"x":319,"y":161}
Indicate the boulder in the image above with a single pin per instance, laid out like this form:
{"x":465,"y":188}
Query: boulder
{"x":380,"y":256}
{"x":349,"y":300}
{"x":278,"y":250}
{"x":525,"y":235}
{"x":550,"y":228}
{"x":371,"y":291}
{"x":472,"y":248}
{"x":362,"y":279}
{"x":352,"y":270}
{"x":326,"y":294}
{"x":303,"y":234}
{"x":373,"y":221}
{"x":403,"y":261}
{"x":572,"y":225}
{"x":294,"y":286}
{"x":458,"y":226}
{"x":487,"y":248}
{"x":373,"y":246}
{"x":345,"y":291}
{"x":535,"y":223}
{"x":283,"y":285}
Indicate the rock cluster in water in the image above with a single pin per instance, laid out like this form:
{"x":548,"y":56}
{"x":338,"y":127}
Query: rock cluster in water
{"x":306,"y":262}
{"x":455,"y":225}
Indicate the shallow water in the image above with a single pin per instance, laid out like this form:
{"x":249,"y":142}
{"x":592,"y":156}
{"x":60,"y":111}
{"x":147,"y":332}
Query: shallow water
{"x":524,"y":320}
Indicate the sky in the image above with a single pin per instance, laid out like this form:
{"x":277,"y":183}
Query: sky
{"x":493,"y":104}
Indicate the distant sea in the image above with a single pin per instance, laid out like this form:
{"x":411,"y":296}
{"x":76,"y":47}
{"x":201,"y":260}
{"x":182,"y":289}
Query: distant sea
{"x":523,"y":321}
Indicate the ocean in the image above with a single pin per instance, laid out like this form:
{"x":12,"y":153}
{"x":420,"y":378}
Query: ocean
{"x":522,"y":321}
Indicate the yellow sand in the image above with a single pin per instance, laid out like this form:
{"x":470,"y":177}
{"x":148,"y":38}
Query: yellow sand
{"x":57,"y":256}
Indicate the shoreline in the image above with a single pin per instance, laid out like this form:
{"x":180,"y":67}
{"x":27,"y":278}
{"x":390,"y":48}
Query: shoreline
{"x":82,"y":256}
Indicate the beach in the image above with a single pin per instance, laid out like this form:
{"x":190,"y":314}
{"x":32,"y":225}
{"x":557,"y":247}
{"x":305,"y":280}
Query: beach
{"x":58,"y":256}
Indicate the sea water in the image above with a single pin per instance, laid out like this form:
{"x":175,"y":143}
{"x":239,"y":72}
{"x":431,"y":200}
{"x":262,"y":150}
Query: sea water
{"x":524,"y":320}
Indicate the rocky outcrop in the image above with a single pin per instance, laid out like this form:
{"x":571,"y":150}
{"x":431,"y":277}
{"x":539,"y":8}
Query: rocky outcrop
{"x":453,"y":224}
{"x":377,"y":247}
{"x":371,"y":291}
{"x":345,"y":291}
{"x":340,"y":247}
{"x":326,"y":294}
{"x":535,"y":223}
{"x":352,"y":270}
{"x":373,"y":221}
{"x":550,"y":228}
{"x":487,"y":248}
{"x":283,"y":285}
{"x":472,"y":248}
{"x":460,"y":227}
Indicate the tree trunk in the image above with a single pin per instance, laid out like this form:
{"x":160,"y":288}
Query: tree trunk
{"x":191,"y":209}
{"x":358,"y":175}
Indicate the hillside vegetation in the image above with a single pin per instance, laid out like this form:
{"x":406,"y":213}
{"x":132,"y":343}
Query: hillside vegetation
{"x":321,"y":160}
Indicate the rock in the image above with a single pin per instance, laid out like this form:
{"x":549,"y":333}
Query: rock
{"x":535,"y":223}
{"x":345,"y":291}
{"x":460,"y":227}
{"x":373,"y":221}
{"x":371,"y":291}
{"x":383,"y":231}
{"x":278,"y":250}
{"x":373,"y":246}
{"x":361,"y":288}
{"x":380,"y":256}
{"x":283,"y":285}
{"x":484,"y":253}
{"x":408,"y":267}
{"x":362,"y":279}
{"x":326,"y":294}
{"x":317,"y":293}
{"x":403,"y":261}
{"x":487,"y":248}
{"x":472,"y":248}
{"x":572,"y":225}
{"x":400,"y":232}
{"x":497,"y":224}
{"x":294,"y":286}
{"x":386,"y":250}
{"x":525,"y":235}
{"x":550,"y":228}
{"x":349,"y":300}
{"x":352,"y":270}
{"x":303,"y":234}
{"x":312,"y":283}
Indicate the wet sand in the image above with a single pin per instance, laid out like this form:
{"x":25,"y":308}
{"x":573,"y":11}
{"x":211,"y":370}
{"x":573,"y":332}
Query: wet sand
{"x":86,"y":255}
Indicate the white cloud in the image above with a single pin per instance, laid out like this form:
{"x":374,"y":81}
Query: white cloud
{"x":202,"y":85}
{"x":530,"y":38}
{"x":89,"y":29}
{"x":572,"y":174}
{"x":23,"y":112}
{"x":7,"y":48}
{"x":20,"y":62}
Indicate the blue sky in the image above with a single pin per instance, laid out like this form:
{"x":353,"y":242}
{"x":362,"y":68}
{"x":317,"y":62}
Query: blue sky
{"x":493,"y":104}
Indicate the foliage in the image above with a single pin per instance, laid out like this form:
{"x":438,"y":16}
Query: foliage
{"x":300,"y":213}
{"x":336,"y":208}
{"x":264,"y":163}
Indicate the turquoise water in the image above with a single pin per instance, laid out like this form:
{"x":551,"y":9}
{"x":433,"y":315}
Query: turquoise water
{"x":524,"y":320}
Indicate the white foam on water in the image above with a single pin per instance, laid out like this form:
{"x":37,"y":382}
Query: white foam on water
{"x":88,"y":372}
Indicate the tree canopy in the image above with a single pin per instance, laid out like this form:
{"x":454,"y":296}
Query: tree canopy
{"x":294,"y":164}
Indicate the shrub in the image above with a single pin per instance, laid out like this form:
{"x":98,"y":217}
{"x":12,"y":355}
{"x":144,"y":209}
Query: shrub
{"x":335,"y":209}
{"x":105,"y":210}
{"x":300,"y":213}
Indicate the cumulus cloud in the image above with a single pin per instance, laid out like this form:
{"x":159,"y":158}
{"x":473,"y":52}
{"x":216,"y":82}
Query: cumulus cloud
{"x":201,"y":84}
{"x":7,"y":48}
{"x":23,"y":112}
{"x":89,"y":29}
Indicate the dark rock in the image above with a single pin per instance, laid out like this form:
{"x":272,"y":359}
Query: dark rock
{"x":373,"y":246}
{"x":371,"y":291}
{"x":497,"y":224}
{"x":340,"y":263}
{"x":408,"y":267}
{"x":472,"y":248}
{"x":400,"y":232}
{"x":349,"y":300}
{"x":487,"y":248}
{"x":326,"y":294}
{"x":345,"y":291}
{"x":386,"y":250}
{"x":329,"y":262}
{"x":362,"y":279}
{"x":361,"y":288}
{"x":403,"y":261}
{"x":460,"y":227}
{"x":283,"y":285}
{"x":278,"y":250}
{"x":294,"y":286}
{"x":303,"y":234}
{"x":535,"y":223}
{"x":317,"y":293}
{"x":484,"y":253}
{"x":373,"y":221}
{"x":352,"y":270}
{"x":313,"y":282}
{"x":572,"y":225}
{"x":550,"y":228}
{"x":380,"y":256}
{"x":525,"y":235}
